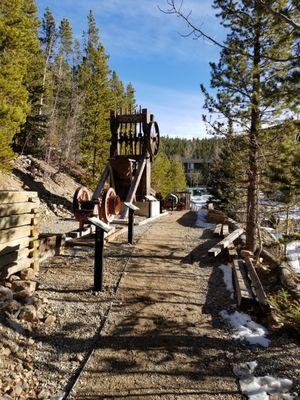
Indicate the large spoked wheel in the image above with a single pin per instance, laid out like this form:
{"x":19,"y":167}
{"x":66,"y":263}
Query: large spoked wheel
{"x":153,"y":138}
{"x":82,"y":209}
{"x":110,"y":205}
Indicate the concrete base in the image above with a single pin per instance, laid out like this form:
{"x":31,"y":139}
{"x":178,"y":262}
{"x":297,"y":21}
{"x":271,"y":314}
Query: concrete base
{"x":148,"y":209}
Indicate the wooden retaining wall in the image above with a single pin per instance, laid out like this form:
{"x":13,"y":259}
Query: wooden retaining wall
{"x":18,"y":231}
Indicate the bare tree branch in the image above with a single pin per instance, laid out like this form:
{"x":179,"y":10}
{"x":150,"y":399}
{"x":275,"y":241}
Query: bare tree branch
{"x":196,"y":31}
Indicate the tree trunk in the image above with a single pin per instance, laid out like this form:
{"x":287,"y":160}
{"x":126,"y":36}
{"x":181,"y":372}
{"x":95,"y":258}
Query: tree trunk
{"x":253,"y":170}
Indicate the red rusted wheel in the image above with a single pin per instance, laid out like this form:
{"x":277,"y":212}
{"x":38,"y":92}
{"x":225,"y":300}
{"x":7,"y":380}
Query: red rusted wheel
{"x":110,"y":205}
{"x":82,"y":207}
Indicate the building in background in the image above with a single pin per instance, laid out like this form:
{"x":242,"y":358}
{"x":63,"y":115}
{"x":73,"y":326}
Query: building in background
{"x":196,"y":170}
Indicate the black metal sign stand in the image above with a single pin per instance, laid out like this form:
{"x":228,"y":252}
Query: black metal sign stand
{"x":101,"y":227}
{"x":99,"y":260}
{"x":132,"y":208}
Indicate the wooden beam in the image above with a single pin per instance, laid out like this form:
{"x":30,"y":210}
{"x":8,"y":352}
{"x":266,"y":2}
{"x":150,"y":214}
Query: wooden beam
{"x":9,"y":196}
{"x":217,"y":230}
{"x":18,"y":208}
{"x":12,"y":234}
{"x":12,"y":257}
{"x":19,"y":266}
{"x":134,"y":185}
{"x":256,"y":283}
{"x":101,"y":183}
{"x":226,"y":242}
{"x":243,"y":293}
{"x":14,"y":221}
{"x":14,"y":245}
{"x":225,"y":230}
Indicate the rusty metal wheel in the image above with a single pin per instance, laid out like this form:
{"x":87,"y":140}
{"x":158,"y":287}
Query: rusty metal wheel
{"x":83,"y":208}
{"x":153,"y":138}
{"x":110,"y":205}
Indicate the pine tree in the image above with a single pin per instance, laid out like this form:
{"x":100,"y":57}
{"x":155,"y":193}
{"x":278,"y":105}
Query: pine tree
{"x":98,"y":101}
{"x":130,"y":97}
{"x":176,"y":175}
{"x":117,"y":89}
{"x":160,"y":176}
{"x":18,"y":25}
{"x":248,"y":83}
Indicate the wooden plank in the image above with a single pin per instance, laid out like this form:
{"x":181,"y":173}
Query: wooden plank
{"x":243,"y":293}
{"x":101,"y":183}
{"x":18,"y":208}
{"x":256,"y":283}
{"x":232,"y":253}
{"x":223,"y":244}
{"x":12,"y":257}
{"x":134,"y":186}
{"x":225,"y":230}
{"x":231,"y":237}
{"x":215,"y":250}
{"x":18,"y":266}
{"x":14,"y":245}
{"x":10,"y":196}
{"x":14,"y":221}
{"x":217,"y":230}
{"x":8,"y":235}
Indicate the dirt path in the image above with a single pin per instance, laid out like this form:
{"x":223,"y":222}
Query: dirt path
{"x":162,"y":339}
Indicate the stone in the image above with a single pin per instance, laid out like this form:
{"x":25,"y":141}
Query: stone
{"x":12,"y":306}
{"x":28,"y":313}
{"x":5,"y":351}
{"x":33,"y":300}
{"x":50,"y":320}
{"x":18,"y":390}
{"x":27,"y":274}
{"x":21,"y":295}
{"x":6,"y":397}
{"x":13,"y":278}
{"x":79,"y":357}
{"x":5,"y":293}
{"x":18,"y":286}
{"x":44,"y":394}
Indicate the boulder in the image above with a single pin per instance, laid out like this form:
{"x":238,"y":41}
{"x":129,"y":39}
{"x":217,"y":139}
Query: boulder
{"x":11,"y":306}
{"x":22,"y":295}
{"x":20,"y":285}
{"x":5,"y":294}
{"x":27,"y":274}
{"x":28,"y":313}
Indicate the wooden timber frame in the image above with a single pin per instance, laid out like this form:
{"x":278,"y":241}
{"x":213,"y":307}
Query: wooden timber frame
{"x":19,"y":245}
{"x":134,"y":144}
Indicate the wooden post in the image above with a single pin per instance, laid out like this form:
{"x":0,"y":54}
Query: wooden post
{"x":99,"y":260}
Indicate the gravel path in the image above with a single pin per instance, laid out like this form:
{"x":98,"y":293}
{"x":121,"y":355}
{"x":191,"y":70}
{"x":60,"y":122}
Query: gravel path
{"x":162,"y":338}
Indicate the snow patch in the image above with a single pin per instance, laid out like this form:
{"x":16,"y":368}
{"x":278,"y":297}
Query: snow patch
{"x":227,"y":277}
{"x":201,"y":220}
{"x":259,"y":388}
{"x":293,"y":255}
{"x":246,"y":329}
{"x":274,"y":233}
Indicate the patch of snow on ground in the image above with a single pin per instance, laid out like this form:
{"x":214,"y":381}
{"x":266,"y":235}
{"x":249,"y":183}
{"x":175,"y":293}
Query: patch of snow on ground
{"x":198,"y":202}
{"x":295,"y":214}
{"x":246,"y":329}
{"x":293,"y":255}
{"x":201,"y":220}
{"x":259,"y":388}
{"x":227,"y":277}
{"x":274,"y":233}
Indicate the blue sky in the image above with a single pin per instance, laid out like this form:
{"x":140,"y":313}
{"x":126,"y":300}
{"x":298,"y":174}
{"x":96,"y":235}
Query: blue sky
{"x":145,"y":48}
